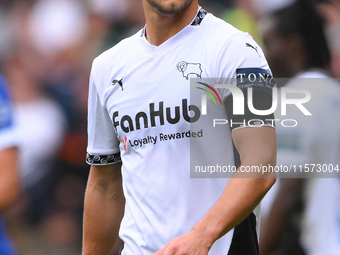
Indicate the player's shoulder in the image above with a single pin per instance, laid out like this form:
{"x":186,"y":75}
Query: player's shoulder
{"x":229,"y":49}
{"x":319,"y":82}
{"x":227,"y":41}
{"x":312,"y":79}
{"x":223,"y":32}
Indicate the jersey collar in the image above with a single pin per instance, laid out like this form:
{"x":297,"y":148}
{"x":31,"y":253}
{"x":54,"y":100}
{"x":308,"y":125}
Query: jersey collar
{"x":195,"y":22}
{"x":179,"y":37}
{"x":199,"y":17}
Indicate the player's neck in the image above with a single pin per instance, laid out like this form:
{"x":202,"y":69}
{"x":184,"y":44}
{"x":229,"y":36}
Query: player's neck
{"x":160,"y":27}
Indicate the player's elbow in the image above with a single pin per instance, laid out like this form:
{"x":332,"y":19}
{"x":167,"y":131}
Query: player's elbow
{"x":269,"y":181}
{"x":270,"y":173}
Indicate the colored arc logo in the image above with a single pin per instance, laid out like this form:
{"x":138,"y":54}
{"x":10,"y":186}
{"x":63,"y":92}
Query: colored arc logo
{"x":209,"y":93}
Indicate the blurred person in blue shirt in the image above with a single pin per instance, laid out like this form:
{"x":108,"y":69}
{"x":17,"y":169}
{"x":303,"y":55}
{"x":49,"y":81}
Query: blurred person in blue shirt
{"x":9,"y":176}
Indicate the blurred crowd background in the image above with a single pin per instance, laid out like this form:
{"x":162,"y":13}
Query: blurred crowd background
{"x":46,"y":52}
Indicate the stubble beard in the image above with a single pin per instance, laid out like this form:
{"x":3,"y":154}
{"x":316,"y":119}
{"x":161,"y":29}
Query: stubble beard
{"x":168,"y":10}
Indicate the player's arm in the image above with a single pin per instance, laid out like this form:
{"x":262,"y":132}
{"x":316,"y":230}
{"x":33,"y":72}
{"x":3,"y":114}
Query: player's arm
{"x":9,"y":177}
{"x":256,"y":146}
{"x":103,"y":209}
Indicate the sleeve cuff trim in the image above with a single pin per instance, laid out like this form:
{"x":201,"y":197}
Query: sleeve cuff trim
{"x":103,"y":159}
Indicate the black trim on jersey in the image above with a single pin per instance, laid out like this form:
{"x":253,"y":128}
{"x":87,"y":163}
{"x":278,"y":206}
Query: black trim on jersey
{"x":197,"y":21}
{"x":199,"y":17}
{"x":103,"y":159}
{"x":121,"y":250}
{"x":244,"y":240}
{"x":143,"y":32}
{"x":237,"y":158}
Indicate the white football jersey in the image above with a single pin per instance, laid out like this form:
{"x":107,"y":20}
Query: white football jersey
{"x":145,"y":111}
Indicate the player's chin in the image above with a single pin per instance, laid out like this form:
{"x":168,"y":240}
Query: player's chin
{"x":170,"y":7}
{"x":175,"y":3}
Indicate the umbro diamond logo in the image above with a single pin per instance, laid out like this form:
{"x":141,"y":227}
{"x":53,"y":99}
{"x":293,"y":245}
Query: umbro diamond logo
{"x":120,"y":82}
{"x":251,"y":46}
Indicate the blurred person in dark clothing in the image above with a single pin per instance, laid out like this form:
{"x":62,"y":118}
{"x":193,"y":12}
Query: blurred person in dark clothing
{"x":295,"y":40}
{"x":330,"y":11}
{"x":304,"y":215}
{"x":9,"y":177}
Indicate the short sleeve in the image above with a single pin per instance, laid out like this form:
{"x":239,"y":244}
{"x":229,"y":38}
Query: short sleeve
{"x":242,"y":64}
{"x":103,"y":144}
{"x":240,"y":53}
{"x":8,"y":132}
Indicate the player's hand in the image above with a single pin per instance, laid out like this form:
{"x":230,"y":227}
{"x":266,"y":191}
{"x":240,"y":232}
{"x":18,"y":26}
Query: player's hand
{"x":192,"y":243}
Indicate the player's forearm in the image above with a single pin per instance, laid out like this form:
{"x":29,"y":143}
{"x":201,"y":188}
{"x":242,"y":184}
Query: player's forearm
{"x":257,"y":147}
{"x":102,"y":218}
{"x":239,"y":198}
{"x":9,"y":177}
{"x":103,"y":212}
